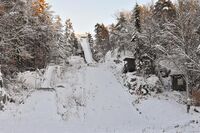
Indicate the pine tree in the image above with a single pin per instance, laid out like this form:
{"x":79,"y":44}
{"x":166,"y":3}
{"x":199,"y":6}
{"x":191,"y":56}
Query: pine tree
{"x":90,"y":40}
{"x":71,"y":37}
{"x":102,"y":35}
{"x":27,"y":37}
{"x":164,"y":10}
{"x":121,"y":33}
{"x":101,"y":40}
{"x":39,"y":7}
{"x":121,"y":19}
{"x":137,"y":18}
{"x":56,"y":48}
{"x":68,"y":28}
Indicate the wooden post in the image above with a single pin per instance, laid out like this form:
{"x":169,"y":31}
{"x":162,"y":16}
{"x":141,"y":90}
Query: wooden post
{"x":188,"y":93}
{"x":1,"y":78}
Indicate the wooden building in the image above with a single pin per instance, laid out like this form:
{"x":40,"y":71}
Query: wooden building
{"x":130,"y":65}
{"x":173,"y":76}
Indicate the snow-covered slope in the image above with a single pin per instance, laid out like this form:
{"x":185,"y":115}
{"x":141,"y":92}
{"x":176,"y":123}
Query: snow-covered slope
{"x":87,"y":50}
{"x":37,"y":115}
{"x":91,"y":100}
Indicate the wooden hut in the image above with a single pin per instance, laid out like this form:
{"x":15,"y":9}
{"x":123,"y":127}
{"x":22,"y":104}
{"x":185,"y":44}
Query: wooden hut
{"x":173,"y":74}
{"x":130,"y":65}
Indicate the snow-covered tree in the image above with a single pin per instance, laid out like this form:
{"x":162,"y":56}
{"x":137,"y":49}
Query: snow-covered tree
{"x":70,"y":36}
{"x":137,"y":14}
{"x":25,"y":37}
{"x":90,"y":39}
{"x":121,"y":33}
{"x":164,"y":10}
{"x":175,"y":40}
{"x":39,"y":7}
{"x":102,"y":44}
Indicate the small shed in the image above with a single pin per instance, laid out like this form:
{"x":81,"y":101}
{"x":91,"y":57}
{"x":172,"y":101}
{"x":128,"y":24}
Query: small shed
{"x":130,"y":65}
{"x":172,"y":74}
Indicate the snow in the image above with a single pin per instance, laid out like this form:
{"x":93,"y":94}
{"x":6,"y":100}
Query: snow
{"x":0,"y":75}
{"x":198,"y":49}
{"x":87,"y":51}
{"x":36,"y":115}
{"x":152,"y":80}
{"x":90,"y":99}
{"x":51,"y":75}
{"x":166,"y":8}
{"x":109,"y":101}
{"x":30,"y":79}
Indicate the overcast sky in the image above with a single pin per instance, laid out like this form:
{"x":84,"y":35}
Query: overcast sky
{"x":84,"y":14}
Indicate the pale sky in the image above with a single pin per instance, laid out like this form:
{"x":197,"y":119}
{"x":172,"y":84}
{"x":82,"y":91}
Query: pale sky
{"x":84,"y":14}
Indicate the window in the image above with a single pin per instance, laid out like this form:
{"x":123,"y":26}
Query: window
{"x":180,"y":81}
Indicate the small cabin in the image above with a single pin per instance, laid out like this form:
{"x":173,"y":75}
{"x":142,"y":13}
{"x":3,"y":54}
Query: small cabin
{"x":173,"y":74}
{"x":129,"y":65}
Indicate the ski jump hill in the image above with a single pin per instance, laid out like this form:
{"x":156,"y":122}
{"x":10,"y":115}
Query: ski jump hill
{"x":52,"y":71}
{"x":83,"y":39}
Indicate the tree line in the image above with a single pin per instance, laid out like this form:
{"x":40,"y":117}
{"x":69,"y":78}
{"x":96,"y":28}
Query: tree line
{"x":161,"y":31}
{"x":31,"y":36}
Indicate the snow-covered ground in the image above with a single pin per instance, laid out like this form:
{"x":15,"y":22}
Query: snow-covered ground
{"x":90,"y":99}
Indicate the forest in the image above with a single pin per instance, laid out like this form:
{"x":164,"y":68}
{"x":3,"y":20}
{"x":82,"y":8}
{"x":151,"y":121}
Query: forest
{"x":152,"y":52}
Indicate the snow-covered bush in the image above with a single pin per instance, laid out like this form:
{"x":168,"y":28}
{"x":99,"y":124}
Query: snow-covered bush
{"x":30,"y":80}
{"x":142,"y":86}
{"x":4,"y":98}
